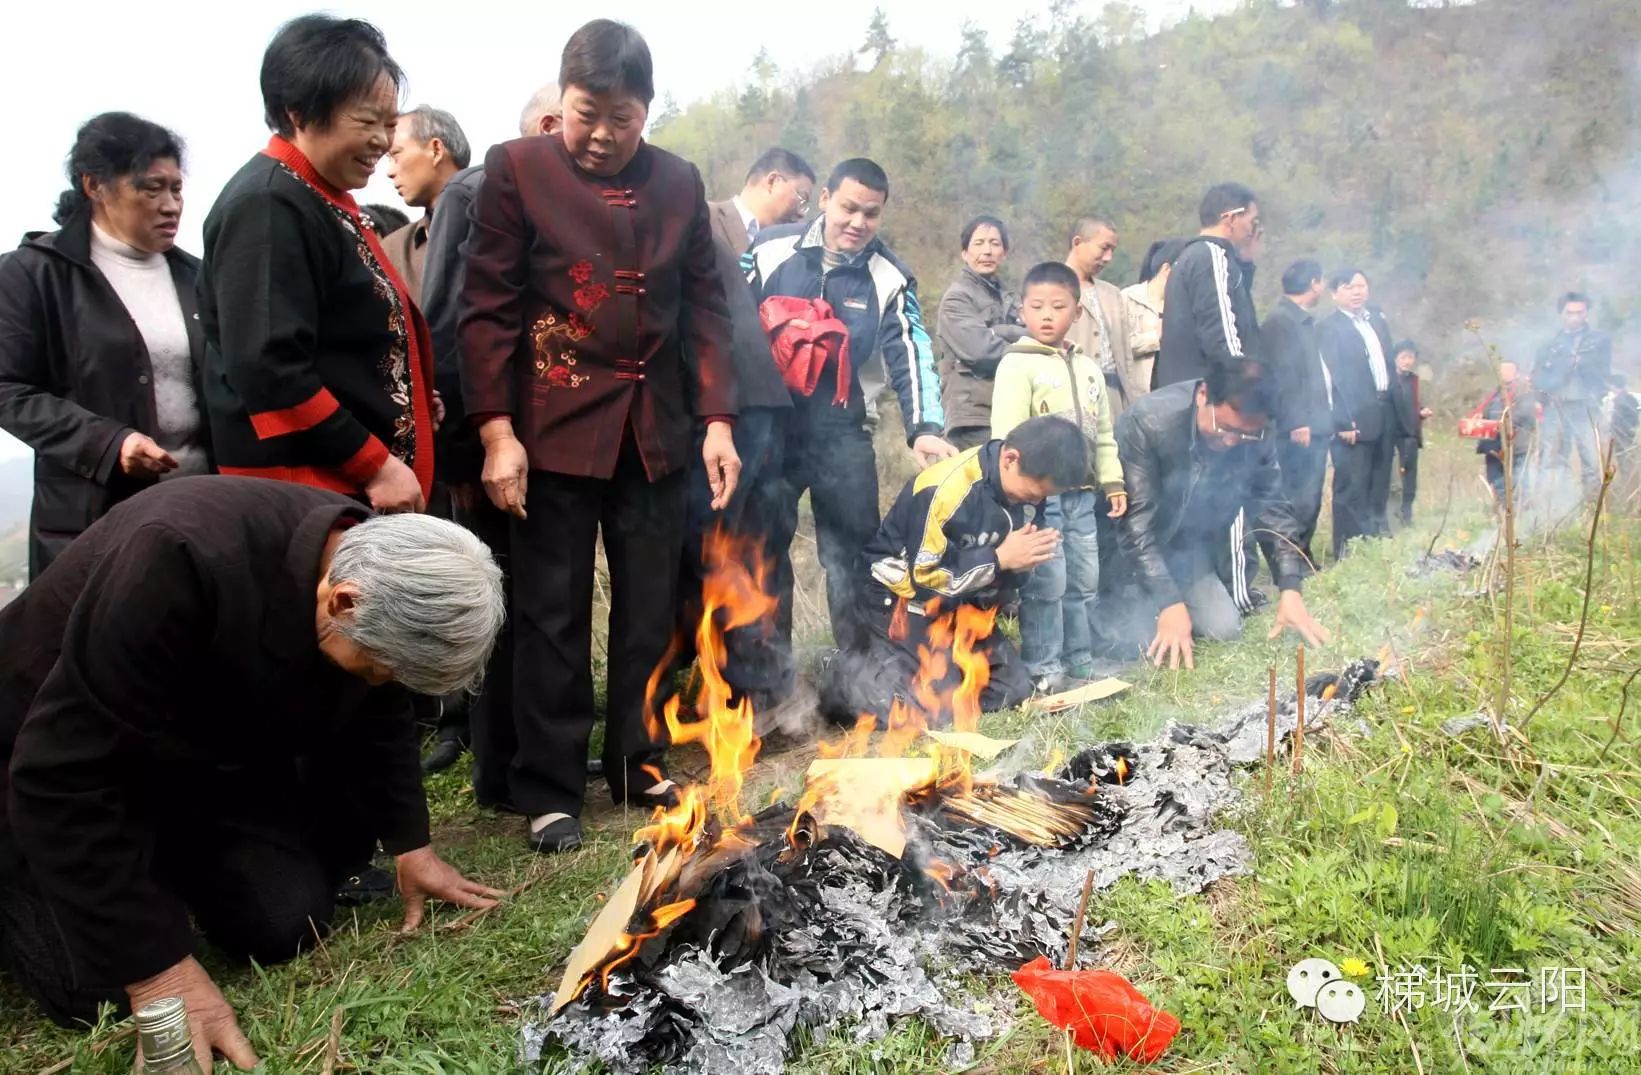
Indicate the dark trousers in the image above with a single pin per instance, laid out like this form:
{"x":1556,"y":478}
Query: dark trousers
{"x":758,"y":660}
{"x":1493,"y":467}
{"x":1361,"y":487}
{"x":490,"y":727}
{"x":965,"y":437}
{"x":1383,"y":464}
{"x":870,"y":678}
{"x":1407,"y":462}
{"x":829,"y":454}
{"x":1304,"y":473}
{"x":553,"y":569}
{"x":258,"y":870}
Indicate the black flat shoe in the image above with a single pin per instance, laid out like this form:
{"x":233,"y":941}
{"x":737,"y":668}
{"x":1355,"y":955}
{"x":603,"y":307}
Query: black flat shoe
{"x":667,"y":798}
{"x":445,"y":753}
{"x":561,"y":835}
{"x":367,"y":886}
{"x":595,"y":766}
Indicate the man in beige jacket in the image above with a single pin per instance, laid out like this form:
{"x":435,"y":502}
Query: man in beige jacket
{"x":1102,"y":331}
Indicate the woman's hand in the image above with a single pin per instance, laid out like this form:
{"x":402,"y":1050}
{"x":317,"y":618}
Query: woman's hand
{"x":140,"y":457}
{"x":395,"y":488}
{"x":506,"y":466}
{"x":211,"y":1019}
{"x":723,"y":463}
{"x":424,"y":876}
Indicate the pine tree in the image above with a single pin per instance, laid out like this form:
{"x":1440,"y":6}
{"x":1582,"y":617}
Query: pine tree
{"x":879,"y":42}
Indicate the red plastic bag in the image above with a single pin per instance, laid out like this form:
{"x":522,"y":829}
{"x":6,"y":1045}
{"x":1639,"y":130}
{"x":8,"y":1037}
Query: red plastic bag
{"x":1104,"y":1013}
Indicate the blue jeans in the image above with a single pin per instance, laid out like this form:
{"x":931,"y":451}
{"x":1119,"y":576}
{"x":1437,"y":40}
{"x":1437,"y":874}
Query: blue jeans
{"x":1569,"y":431}
{"x":1057,"y":603}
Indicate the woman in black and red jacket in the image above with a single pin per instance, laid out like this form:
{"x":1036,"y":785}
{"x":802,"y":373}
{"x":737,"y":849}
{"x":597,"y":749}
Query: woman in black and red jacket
{"x":318,"y":364}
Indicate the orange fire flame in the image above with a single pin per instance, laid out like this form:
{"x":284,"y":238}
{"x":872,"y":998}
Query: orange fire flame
{"x":1120,"y":766}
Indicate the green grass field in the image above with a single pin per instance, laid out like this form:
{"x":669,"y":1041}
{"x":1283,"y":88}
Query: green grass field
{"x":1398,"y":847}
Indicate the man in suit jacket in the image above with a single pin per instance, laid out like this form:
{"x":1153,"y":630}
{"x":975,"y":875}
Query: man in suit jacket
{"x":778,"y":190}
{"x":1356,"y":344}
{"x":1304,"y":419}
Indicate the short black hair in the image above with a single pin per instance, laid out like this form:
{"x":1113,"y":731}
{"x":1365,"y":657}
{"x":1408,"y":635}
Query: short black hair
{"x":868,"y":173}
{"x":1051,"y":449}
{"x":1338,"y":278}
{"x":784,"y":161}
{"x":1247,"y":385}
{"x":384,"y":218}
{"x":1405,"y":345}
{"x":1161,"y":253}
{"x":1298,"y":277}
{"x":1573,"y":296}
{"x":984,"y":221}
{"x":1054,"y":274}
{"x":315,"y":64}
{"x":606,"y":56}
{"x":1223,"y":198}
{"x":107,"y":147}
{"x":1086,"y":226}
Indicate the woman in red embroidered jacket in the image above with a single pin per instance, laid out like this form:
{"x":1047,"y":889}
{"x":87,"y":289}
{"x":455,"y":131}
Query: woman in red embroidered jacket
{"x":318,"y":365}
{"x":595,"y":335}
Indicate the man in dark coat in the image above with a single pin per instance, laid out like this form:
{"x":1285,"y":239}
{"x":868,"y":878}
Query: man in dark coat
{"x":1570,"y":378}
{"x":1304,"y":418}
{"x":1356,"y":343}
{"x":778,"y":190}
{"x":1208,"y":315}
{"x":1201,"y":471}
{"x":196,"y":717}
{"x":1410,"y":415}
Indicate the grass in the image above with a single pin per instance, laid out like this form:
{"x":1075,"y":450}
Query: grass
{"x":1398,"y":839}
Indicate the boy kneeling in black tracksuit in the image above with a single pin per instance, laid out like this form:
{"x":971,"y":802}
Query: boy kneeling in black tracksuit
{"x":957,"y":535}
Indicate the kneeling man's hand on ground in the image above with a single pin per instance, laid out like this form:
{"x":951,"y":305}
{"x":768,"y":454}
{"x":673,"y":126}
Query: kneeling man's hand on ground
{"x":1291,"y":612}
{"x":1173,"y":639}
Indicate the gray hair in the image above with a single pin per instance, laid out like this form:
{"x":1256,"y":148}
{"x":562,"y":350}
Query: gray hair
{"x":546,"y":101}
{"x":430,"y":599}
{"x":428,"y":123}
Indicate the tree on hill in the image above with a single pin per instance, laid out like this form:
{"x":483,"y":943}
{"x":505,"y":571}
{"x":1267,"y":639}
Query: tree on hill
{"x":879,"y":42}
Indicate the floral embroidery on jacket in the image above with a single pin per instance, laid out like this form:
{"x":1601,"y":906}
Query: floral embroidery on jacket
{"x":592,"y":296}
{"x":582,"y":272}
{"x":552,"y":337}
{"x":394,"y":365}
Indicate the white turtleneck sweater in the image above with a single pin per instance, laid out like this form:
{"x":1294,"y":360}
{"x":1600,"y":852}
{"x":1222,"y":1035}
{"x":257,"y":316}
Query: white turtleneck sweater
{"x":143,"y":283}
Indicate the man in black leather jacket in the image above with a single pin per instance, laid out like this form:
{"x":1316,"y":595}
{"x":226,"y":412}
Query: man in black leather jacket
{"x":1199,"y":459}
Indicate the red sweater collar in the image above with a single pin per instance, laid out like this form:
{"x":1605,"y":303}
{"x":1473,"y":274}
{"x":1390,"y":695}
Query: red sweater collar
{"x":297,"y":161}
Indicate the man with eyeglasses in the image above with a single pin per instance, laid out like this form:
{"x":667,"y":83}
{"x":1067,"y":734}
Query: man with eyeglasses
{"x":1199,"y":460}
{"x":778,"y":189}
{"x":1208,"y":315}
{"x":1356,"y":344}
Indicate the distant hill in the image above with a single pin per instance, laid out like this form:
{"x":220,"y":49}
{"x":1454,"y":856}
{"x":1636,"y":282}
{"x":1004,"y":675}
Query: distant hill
{"x":16,"y":491}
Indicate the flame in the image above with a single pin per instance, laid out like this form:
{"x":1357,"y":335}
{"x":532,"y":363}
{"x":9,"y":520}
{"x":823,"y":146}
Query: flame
{"x":1120,"y":767}
{"x":628,"y":945}
{"x":1056,"y":758}
{"x":1329,"y":691}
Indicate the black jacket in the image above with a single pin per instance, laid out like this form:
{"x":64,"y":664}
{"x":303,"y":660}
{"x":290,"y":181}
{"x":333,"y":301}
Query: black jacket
{"x":1184,"y":497}
{"x":460,"y":457}
{"x":176,"y":635}
{"x":757,"y":382}
{"x":1574,"y":367}
{"x":940,"y":539}
{"x":1208,"y":315}
{"x":75,"y":378}
{"x":1404,"y":397}
{"x":1355,"y":399}
{"x":309,"y":373}
{"x":1289,"y":338}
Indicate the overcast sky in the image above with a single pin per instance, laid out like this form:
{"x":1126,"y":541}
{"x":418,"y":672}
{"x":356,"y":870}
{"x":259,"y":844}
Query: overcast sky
{"x":193,"y":65}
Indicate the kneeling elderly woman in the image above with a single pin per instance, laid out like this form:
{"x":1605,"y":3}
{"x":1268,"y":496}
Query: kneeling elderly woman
{"x":205,"y":711}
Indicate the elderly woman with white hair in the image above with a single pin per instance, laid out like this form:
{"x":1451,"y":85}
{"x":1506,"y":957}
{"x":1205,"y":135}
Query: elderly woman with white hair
{"x":204,"y":711}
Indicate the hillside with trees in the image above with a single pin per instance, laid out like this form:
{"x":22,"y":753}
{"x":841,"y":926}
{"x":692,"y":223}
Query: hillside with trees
{"x":1475,"y":160}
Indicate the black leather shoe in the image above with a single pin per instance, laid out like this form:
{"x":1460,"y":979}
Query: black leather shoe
{"x":668,"y":797}
{"x":562,"y":835}
{"x":445,"y":753}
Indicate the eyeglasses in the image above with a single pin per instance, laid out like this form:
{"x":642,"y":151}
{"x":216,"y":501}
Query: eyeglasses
{"x":1234,"y":436}
{"x":803,"y":199}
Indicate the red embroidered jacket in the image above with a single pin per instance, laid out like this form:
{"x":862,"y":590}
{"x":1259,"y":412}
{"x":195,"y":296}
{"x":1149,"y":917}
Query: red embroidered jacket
{"x":592,"y":305}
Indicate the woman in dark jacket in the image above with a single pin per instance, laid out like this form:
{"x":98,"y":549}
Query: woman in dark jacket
{"x":318,"y":365}
{"x":595,"y":337}
{"x":100,"y":345}
{"x":978,"y":320}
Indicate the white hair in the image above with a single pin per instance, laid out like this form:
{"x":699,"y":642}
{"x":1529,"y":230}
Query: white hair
{"x":544,"y":102}
{"x":430,"y":599}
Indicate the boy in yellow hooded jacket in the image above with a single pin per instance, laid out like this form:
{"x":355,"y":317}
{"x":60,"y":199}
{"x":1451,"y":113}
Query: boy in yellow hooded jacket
{"x":1045,"y":374}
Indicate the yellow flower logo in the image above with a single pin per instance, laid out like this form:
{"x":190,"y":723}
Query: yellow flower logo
{"x":1353,"y":968}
